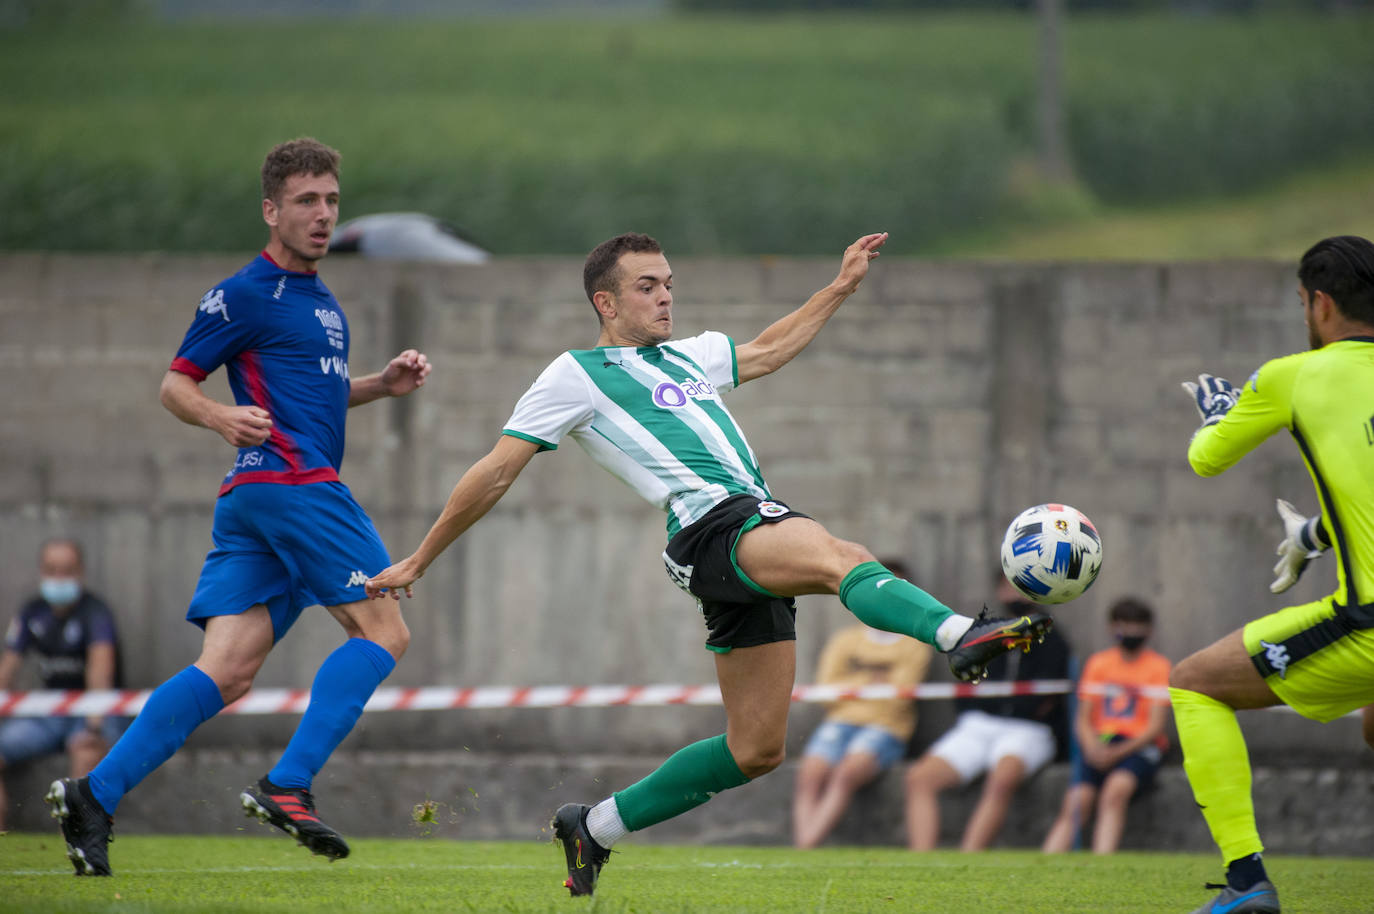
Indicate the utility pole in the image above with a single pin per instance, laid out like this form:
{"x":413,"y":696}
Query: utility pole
{"x":1053,"y":149}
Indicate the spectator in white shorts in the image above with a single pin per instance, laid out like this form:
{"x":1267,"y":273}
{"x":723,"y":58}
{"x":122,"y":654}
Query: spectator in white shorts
{"x":1008,"y":739}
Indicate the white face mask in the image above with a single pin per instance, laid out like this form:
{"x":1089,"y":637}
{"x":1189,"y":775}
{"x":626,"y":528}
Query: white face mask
{"x":60,"y":591}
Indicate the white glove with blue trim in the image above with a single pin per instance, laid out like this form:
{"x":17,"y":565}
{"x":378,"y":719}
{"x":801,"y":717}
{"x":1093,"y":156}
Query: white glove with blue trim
{"x":1303,"y":540}
{"x":1215,"y":397}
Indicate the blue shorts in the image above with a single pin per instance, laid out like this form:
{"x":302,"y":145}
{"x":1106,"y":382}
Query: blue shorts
{"x":26,"y":738}
{"x":1142,"y":764}
{"x":287,"y":547}
{"x":833,"y":740}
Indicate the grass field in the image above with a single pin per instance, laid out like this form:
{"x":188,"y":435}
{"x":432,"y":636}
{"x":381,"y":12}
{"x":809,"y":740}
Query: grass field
{"x":1280,"y":222}
{"x":720,"y":135}
{"x":204,"y":874}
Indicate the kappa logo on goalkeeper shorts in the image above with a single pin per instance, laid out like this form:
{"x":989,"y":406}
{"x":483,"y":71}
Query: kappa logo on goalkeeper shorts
{"x":357,"y":579}
{"x":1277,"y":655}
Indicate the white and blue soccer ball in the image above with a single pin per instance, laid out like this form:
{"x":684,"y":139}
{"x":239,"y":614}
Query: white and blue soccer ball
{"x":1051,"y":553}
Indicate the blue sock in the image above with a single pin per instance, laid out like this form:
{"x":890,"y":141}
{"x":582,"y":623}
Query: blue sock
{"x":175,"y":708}
{"x":346,"y":680}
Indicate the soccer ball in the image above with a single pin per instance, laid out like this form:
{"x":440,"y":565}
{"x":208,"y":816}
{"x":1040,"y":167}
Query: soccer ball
{"x":1051,"y":553}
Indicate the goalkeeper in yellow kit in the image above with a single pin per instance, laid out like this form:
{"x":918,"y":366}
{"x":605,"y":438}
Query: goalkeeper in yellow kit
{"x":1318,"y":658}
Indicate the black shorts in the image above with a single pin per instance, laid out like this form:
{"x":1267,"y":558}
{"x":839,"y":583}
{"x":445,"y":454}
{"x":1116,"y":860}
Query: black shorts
{"x":701,"y":560}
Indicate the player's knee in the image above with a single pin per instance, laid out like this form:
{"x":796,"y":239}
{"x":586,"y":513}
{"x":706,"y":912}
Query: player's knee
{"x":756,"y":761}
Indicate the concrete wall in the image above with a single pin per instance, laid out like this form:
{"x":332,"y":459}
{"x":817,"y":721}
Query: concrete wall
{"x":938,"y":403}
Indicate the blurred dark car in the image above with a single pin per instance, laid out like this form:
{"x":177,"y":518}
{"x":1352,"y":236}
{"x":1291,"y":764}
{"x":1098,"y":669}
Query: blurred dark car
{"x":405,"y":236}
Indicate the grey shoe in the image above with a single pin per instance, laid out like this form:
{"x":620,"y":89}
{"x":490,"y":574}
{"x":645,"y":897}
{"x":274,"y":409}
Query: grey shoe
{"x":584,"y":856}
{"x":1260,"y":898}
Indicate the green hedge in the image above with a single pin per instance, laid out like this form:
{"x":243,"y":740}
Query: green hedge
{"x":734,"y":135}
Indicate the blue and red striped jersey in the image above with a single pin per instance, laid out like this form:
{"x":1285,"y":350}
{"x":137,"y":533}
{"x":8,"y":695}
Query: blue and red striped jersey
{"x":283,"y":339}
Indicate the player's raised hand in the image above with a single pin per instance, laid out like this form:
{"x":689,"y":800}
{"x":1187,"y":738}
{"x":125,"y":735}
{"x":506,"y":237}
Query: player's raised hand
{"x":244,"y":426}
{"x":405,"y":373}
{"x":1215,"y":397}
{"x":857,"y":257}
{"x":393,"y":580}
{"x":1300,"y":544}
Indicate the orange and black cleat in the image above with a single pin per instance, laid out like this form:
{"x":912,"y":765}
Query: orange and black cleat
{"x":585,"y":857}
{"x":292,"y":809}
{"x":990,"y":638}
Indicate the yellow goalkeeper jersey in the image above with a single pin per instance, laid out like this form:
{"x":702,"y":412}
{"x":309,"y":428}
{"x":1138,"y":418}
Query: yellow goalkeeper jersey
{"x":1325,"y":398}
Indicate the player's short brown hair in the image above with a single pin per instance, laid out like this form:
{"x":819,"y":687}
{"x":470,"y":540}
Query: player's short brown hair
{"x":600,"y":273}
{"x":303,"y":156}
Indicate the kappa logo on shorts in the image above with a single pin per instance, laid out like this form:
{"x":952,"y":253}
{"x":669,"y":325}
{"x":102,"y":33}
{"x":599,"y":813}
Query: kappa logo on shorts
{"x":772,"y":509}
{"x":1277,"y":655}
{"x":357,"y":578}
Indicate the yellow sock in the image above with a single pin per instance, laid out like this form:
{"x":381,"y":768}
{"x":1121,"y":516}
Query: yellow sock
{"x":1218,"y":768}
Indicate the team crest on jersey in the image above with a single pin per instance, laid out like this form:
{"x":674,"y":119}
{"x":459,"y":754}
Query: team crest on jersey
{"x":213,"y":303}
{"x":772,"y":509}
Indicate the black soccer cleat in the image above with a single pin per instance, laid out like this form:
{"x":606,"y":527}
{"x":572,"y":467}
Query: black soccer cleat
{"x":292,"y":809}
{"x":990,"y":638}
{"x":585,"y":857}
{"x":1260,"y":898}
{"x":86,"y":827}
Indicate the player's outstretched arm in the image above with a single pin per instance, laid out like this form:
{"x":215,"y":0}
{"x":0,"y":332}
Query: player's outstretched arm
{"x":402,"y":375}
{"x":480,"y":487}
{"x":784,"y":338}
{"x":241,"y":426}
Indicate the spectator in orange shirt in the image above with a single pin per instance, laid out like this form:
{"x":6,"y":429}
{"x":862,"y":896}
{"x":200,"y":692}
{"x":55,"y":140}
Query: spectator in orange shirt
{"x":1123,"y":709}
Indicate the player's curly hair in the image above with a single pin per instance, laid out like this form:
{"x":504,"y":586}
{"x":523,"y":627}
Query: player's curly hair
{"x":600,"y":273}
{"x":303,"y":156}
{"x":1343,"y":267}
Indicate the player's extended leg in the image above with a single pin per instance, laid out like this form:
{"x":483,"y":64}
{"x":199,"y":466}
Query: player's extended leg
{"x":1001,"y":784}
{"x":798,"y":556}
{"x":377,"y":638}
{"x":925,"y":781}
{"x":1207,"y":689}
{"x":231,"y":654}
{"x":854,"y":771}
{"x":1117,"y":791}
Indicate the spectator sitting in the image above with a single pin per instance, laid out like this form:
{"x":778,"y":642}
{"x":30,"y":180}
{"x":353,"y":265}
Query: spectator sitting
{"x":859,"y":738}
{"x":1007,"y":738}
{"x":1119,"y":729}
{"x":73,"y":633}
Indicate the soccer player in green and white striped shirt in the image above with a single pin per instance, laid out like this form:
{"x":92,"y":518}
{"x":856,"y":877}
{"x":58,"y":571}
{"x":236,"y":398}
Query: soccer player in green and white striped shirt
{"x":648,"y":409}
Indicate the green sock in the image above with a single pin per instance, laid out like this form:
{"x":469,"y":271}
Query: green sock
{"x":689,"y":777}
{"x":1218,"y":768}
{"x":882,"y":600}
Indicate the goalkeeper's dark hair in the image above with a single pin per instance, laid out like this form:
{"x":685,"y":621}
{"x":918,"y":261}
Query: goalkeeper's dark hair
{"x":1130,"y":609}
{"x":303,"y":156}
{"x":1343,"y":267}
{"x":601,"y":271}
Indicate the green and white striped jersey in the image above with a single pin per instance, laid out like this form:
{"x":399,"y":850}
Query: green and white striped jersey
{"x":651,"y":416}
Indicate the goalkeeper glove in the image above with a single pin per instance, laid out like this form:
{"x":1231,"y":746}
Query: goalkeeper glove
{"x":1215,"y":397}
{"x":1304,"y":538}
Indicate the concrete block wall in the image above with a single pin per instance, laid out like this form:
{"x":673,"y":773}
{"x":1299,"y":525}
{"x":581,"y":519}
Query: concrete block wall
{"x":941,"y":400}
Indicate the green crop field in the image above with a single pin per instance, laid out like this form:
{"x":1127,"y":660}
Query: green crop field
{"x":184,"y":874}
{"x":720,"y":135}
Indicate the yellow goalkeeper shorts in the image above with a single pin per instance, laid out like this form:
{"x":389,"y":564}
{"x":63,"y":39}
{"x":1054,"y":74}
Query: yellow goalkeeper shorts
{"x":1313,"y":659}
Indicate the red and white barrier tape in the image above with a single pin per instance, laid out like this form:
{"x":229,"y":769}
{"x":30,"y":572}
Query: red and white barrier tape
{"x":293,"y":701}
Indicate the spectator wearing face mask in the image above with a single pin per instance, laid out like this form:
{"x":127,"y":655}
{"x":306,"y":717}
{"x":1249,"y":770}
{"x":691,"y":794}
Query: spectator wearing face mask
{"x":71,"y":632}
{"x":1123,"y":710}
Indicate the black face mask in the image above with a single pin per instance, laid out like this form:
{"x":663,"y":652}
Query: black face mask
{"x":1130,"y":642}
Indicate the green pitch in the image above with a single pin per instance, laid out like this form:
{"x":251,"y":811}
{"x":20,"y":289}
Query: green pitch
{"x":264,"y":873}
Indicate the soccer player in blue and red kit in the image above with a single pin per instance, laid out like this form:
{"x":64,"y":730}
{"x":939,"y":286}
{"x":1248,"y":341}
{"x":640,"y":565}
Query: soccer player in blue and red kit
{"x":287,"y":533}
